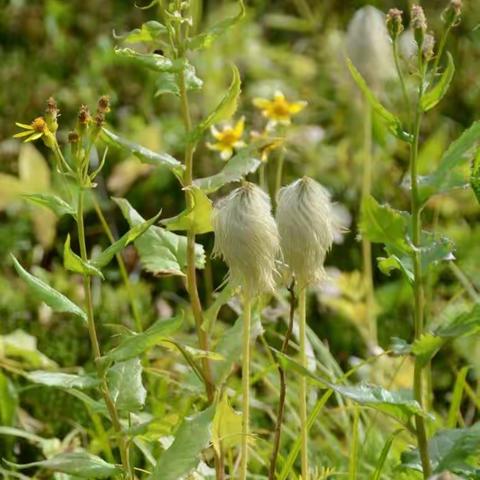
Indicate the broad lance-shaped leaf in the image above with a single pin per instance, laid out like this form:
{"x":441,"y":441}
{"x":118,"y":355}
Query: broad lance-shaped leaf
{"x":161,"y":252}
{"x":240,"y":165}
{"x":224,"y":110}
{"x":191,"y":438}
{"x":452,"y":171}
{"x":150,"y":32}
{"x":153,"y":61}
{"x":392,"y":122}
{"x":138,"y":343}
{"x":198,"y":218}
{"x":475,"y":175}
{"x":59,"y":206}
{"x":106,"y":256}
{"x":399,"y":405}
{"x":44,"y":292}
{"x":206,"y":38}
{"x":126,"y":387}
{"x":167,"y":82}
{"x":383,"y":224}
{"x":80,"y":464}
{"x":226,"y":426}
{"x":143,"y":153}
{"x":73,"y":263}
{"x":62,"y":380}
{"x":453,"y":450}
{"x":433,"y":96}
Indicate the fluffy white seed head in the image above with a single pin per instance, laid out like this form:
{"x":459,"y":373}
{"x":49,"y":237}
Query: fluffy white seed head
{"x":369,"y":46}
{"x":246,"y":237}
{"x":306,"y":226}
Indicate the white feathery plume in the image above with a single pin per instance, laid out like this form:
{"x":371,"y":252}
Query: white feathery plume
{"x":246,"y":237}
{"x":307,"y":226}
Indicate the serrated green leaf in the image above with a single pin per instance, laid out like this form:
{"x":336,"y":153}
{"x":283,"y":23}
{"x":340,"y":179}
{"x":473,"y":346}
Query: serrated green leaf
{"x":143,"y":153}
{"x":153,"y":61}
{"x":206,"y":38}
{"x":137,"y":231}
{"x":198,"y":218}
{"x":59,"y":206}
{"x":433,"y":96}
{"x":44,"y":292}
{"x":149,"y":32}
{"x":425,"y":348}
{"x":387,"y":264}
{"x":62,"y":380}
{"x":226,"y":426}
{"x":475,"y":175}
{"x":161,"y":252}
{"x":126,"y":387}
{"x":224,"y":110}
{"x":136,"y":344}
{"x":81,"y":464}
{"x":452,"y":170}
{"x":383,"y":224}
{"x":73,"y":263}
{"x":449,"y":450}
{"x":240,"y":165}
{"x":392,"y":122}
{"x":191,"y":438}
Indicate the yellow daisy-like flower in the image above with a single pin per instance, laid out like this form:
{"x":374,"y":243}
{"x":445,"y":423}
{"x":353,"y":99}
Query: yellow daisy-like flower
{"x":228,"y":139}
{"x":267,"y":144}
{"x":279,"y":109}
{"x":37,"y":129}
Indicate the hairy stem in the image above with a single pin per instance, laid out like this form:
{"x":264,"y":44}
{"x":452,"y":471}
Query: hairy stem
{"x":283,"y":387}
{"x":123,"y":444}
{"x":366,"y":245}
{"x":418,"y":286}
{"x":302,"y":323}
{"x":247,"y":313}
{"x":279,"y":173}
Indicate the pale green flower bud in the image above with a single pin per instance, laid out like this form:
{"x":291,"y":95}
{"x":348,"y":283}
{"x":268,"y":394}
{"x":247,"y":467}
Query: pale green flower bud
{"x":306,"y":226}
{"x":246,"y":237}
{"x":369,"y":46}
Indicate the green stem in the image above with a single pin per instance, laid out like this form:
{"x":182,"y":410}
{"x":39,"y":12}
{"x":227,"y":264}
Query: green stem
{"x":401,"y":78}
{"x":366,"y":245}
{"x":302,"y":323}
{"x":123,"y":444}
{"x":441,"y":48}
{"x":121,"y":264}
{"x":418,"y":286}
{"x":279,"y":173}
{"x":247,"y":313}
{"x":352,"y":475}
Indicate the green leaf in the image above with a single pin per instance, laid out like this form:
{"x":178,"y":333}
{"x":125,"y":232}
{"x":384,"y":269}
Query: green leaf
{"x":475,"y":176}
{"x":73,"y":263}
{"x":452,"y":172}
{"x":212,"y":311}
{"x":61,"y":380}
{"x":465,"y":323}
{"x":431,"y":98}
{"x":106,"y":256}
{"x":143,"y":153}
{"x":191,"y":438}
{"x":454,"y":411}
{"x":392,"y":122}
{"x":125,"y":383}
{"x":226,"y":426}
{"x":167,"y":82}
{"x":383,"y":224}
{"x":150,"y":32}
{"x":81,"y":464}
{"x":55,"y":300}
{"x":138,"y":343}
{"x":240,"y":165}
{"x":8,"y":401}
{"x":53,"y":202}
{"x":450,"y":450}
{"x":153,"y":61}
{"x":198,"y":218}
{"x":229,"y":347}
{"x":393,"y":262}
{"x":425,"y":348}
{"x":383,"y":455}
{"x":161,"y":252}
{"x":206,"y":38}
{"x":224,"y":110}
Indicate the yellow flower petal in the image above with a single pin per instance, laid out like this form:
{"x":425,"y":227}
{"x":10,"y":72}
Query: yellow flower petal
{"x":23,"y":134}
{"x":296,"y":107}
{"x":215,"y":146}
{"x":239,"y":126}
{"x":261,"y":103}
{"x":35,"y":136}
{"x":278,"y":95}
{"x":23,"y":125}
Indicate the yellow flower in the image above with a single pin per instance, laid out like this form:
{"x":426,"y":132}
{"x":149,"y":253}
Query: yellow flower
{"x":279,"y":109}
{"x":37,"y":129}
{"x":267,"y":144}
{"x":228,"y":139}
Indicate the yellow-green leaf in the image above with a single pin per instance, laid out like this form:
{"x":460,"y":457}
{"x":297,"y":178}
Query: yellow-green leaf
{"x":431,"y":98}
{"x":73,"y":263}
{"x":226,"y":426}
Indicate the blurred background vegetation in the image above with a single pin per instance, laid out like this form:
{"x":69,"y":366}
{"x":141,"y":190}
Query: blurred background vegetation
{"x":65,"y":49}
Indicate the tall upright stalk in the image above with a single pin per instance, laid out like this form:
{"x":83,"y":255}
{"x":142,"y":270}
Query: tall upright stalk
{"x":247,"y":320}
{"x":418,"y":285}
{"x":366,"y":244}
{"x":114,"y":417}
{"x":302,"y":323}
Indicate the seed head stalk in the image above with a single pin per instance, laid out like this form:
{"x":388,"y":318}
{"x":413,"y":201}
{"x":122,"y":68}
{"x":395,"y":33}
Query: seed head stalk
{"x":302,"y":324}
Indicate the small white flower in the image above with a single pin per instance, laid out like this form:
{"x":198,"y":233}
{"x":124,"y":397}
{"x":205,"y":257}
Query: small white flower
{"x":307,"y":227}
{"x":246,"y":237}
